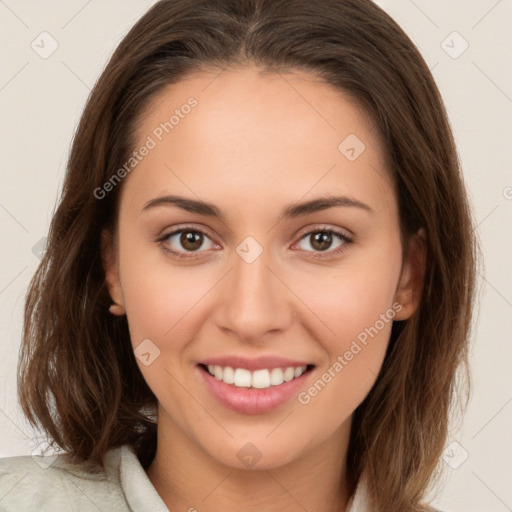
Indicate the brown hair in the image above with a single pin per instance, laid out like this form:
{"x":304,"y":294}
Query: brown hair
{"x":78,"y":377}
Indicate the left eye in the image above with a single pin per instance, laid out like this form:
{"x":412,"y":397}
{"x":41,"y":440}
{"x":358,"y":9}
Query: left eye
{"x":322,"y":240}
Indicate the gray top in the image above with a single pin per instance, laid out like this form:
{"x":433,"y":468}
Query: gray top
{"x":51,"y":484}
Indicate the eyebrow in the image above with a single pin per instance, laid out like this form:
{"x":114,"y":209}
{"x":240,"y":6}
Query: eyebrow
{"x":292,"y":211}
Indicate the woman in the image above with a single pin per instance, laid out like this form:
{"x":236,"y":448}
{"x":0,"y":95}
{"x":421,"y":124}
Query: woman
{"x":258,"y":283}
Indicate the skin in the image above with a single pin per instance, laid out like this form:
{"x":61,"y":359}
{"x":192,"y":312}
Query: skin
{"x":255,"y":144}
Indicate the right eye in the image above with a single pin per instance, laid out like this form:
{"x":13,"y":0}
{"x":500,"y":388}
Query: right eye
{"x":186,"y":240}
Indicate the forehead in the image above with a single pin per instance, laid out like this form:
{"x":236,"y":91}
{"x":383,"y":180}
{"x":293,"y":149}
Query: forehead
{"x":253,"y":132}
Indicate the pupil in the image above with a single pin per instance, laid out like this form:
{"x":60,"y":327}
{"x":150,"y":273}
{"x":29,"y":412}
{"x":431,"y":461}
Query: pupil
{"x":322,"y":241}
{"x":191,"y":240}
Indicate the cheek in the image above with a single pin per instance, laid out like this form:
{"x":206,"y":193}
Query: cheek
{"x":159,"y":297}
{"x":356,"y":309}
{"x":341,"y":301}
{"x":351,"y":298}
{"x":162,"y":306}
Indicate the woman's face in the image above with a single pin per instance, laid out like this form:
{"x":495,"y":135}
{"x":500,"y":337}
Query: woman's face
{"x":259,"y":231}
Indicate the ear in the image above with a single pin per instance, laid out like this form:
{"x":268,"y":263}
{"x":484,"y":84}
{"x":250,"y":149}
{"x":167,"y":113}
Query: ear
{"x":110,"y":267}
{"x":410,"y":285}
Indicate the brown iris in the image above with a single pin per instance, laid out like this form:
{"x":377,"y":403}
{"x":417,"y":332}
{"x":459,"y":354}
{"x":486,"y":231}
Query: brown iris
{"x":191,"y":240}
{"x":321,"y":241}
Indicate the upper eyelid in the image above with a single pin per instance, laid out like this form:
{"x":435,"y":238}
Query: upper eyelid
{"x":324,"y":227}
{"x":305,"y":231}
{"x":185,"y":227}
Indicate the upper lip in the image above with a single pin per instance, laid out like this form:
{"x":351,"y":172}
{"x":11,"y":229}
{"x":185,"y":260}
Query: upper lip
{"x":257,"y":363}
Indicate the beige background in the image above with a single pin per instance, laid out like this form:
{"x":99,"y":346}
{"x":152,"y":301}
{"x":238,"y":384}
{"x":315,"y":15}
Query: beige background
{"x":41,"y":100}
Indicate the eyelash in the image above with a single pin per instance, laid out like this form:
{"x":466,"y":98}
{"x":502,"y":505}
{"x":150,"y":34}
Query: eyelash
{"x":316,"y":254}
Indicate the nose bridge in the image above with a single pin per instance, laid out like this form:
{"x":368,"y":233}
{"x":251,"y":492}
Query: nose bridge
{"x":254,"y":301}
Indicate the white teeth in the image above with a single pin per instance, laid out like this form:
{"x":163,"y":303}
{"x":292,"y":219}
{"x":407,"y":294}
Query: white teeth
{"x":242,"y":377}
{"x":228,"y":375}
{"x":289,"y":374}
{"x":276,"y":377}
{"x":259,"y":379}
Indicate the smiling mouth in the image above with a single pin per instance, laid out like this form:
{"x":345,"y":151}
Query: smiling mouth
{"x":258,"y":379}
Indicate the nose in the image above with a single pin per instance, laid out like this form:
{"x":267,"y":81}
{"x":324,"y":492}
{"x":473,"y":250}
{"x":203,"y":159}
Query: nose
{"x":254,"y":300}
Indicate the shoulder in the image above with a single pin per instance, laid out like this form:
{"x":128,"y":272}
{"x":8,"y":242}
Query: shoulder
{"x":52,"y":483}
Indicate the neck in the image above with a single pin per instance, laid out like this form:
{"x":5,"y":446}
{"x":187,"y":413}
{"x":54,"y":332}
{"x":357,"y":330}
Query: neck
{"x":188,"y":478}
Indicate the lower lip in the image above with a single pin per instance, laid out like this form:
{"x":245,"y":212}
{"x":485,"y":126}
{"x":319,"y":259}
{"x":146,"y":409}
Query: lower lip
{"x":251,"y":400}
